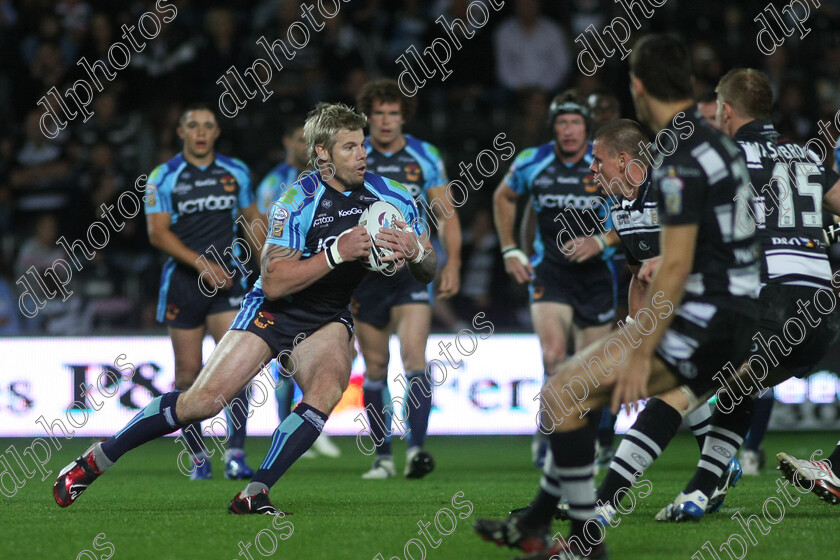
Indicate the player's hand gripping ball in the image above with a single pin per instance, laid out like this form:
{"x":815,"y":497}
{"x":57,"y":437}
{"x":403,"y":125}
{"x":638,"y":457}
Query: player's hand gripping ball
{"x":378,"y":215}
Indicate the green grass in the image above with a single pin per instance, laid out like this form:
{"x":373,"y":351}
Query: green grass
{"x":147,"y":509}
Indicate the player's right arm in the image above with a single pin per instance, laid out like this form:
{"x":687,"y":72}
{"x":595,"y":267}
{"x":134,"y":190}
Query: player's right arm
{"x":504,"y":214}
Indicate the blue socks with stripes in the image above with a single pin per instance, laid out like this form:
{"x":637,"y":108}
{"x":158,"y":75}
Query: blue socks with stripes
{"x":156,"y":420}
{"x":291,"y":439}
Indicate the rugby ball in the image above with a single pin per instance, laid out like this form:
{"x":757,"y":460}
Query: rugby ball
{"x":378,"y":215}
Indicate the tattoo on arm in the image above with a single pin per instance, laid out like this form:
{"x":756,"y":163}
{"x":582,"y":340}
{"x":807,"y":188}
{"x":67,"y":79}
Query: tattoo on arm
{"x":273,"y":253}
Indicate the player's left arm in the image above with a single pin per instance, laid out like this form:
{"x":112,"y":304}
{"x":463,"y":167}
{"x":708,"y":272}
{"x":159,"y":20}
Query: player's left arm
{"x":831,"y":198}
{"x":450,"y":233}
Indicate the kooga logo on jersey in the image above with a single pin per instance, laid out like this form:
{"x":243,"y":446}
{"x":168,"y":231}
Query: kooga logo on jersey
{"x":345,"y":213}
{"x":207,"y":203}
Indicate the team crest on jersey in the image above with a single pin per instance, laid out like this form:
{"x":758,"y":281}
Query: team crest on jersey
{"x":412,"y":172}
{"x":278,"y":221}
{"x":589,"y":184}
{"x":263,"y":320}
{"x":539,"y":292}
{"x":151,"y":196}
{"x":172,"y":311}
{"x":671,"y":188}
{"x":326,"y":203}
{"x":229,"y":183}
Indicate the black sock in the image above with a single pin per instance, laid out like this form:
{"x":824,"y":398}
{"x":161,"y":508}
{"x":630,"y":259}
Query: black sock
{"x":653,"y":430}
{"x":572,"y":463}
{"x":291,"y":439}
{"x":726,"y":434}
{"x":761,"y":417}
{"x":606,"y":430}
{"x":419,"y":399}
{"x":698,"y":420}
{"x":237,"y":415}
{"x":375,"y":395}
{"x":157,"y":419}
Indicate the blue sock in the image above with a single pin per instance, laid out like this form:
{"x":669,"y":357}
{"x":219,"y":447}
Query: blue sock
{"x":157,"y":419}
{"x":376,"y":394}
{"x":291,"y":439}
{"x":761,"y":417}
{"x":284,"y":394}
{"x":237,"y":415}
{"x":419,"y":398}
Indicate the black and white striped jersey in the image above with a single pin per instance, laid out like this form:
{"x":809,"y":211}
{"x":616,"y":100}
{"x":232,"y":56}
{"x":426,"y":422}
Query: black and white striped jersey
{"x":788,"y":183}
{"x":702,"y":180}
{"x":637,"y":224}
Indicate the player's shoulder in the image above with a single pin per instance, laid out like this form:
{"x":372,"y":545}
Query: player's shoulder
{"x":387,"y":189}
{"x":427,"y":149}
{"x":302,"y":192}
{"x":232,"y":163}
{"x":384,"y":186}
{"x":160,"y":173}
{"x":534,"y":155}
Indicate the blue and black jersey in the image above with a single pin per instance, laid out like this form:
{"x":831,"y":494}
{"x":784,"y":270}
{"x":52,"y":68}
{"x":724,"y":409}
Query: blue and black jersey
{"x":566,"y":198}
{"x":310,"y":216}
{"x":418,"y":166}
{"x":203,"y":202}
{"x":274,"y":184}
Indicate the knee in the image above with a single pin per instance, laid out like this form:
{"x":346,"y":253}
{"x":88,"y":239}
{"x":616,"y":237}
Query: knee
{"x":186,"y":372}
{"x":553,"y":356}
{"x":196,"y":405}
{"x":376,"y":365}
{"x":413,"y":358}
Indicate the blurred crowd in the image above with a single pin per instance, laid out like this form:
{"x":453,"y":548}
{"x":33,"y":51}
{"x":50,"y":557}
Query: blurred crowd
{"x":502,"y":80}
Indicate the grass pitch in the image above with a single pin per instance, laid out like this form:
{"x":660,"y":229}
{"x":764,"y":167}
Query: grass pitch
{"x":147,"y":509}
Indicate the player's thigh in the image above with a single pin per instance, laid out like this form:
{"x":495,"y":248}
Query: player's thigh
{"x":234,"y":362}
{"x":413,"y":323}
{"x":186,"y":346}
{"x":552,"y":322}
{"x":219,"y":323}
{"x":321,"y":364}
{"x":374,"y":343}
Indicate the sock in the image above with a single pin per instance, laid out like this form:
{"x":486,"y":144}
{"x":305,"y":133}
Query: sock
{"x":726,"y":434}
{"x":548,"y":496}
{"x":236,"y":413}
{"x":653,"y":430}
{"x":834,"y":459}
{"x":375,"y":395}
{"x":157,"y":419}
{"x":572,"y":464}
{"x":291,"y":439}
{"x":606,"y":430}
{"x":192,"y":435}
{"x":419,"y":399}
{"x":761,"y":417}
{"x":284,"y":394}
{"x":698,"y":420}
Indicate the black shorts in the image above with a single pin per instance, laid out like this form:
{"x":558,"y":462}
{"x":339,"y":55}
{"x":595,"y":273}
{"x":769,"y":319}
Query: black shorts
{"x":281,"y":323}
{"x":588,"y":288}
{"x":181,"y":304}
{"x":377,"y":294}
{"x":702,"y":338}
{"x":790,"y":337}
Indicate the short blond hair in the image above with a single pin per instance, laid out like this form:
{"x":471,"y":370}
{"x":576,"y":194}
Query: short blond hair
{"x":323,"y":123}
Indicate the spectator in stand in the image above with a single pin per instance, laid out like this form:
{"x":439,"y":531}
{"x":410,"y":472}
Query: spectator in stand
{"x":531,"y":50}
